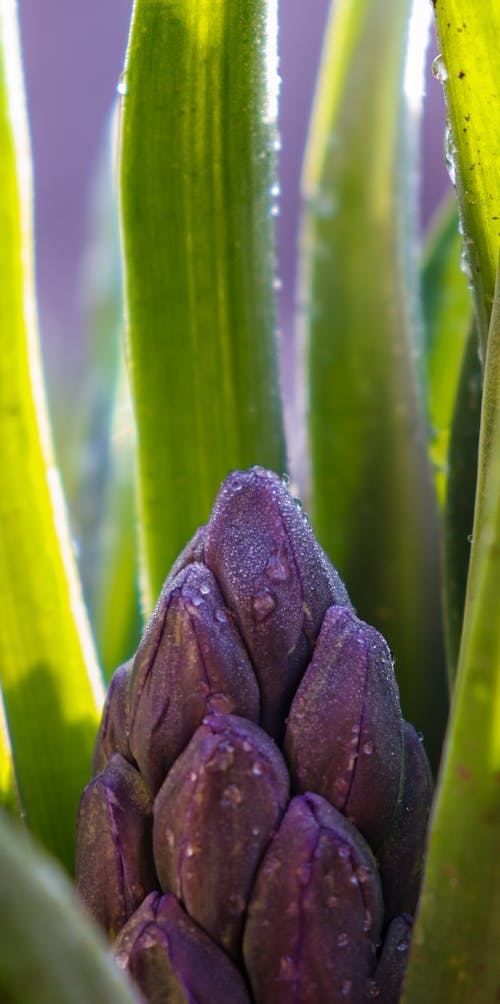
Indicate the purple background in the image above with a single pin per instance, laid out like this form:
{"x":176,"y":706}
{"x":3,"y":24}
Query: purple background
{"x":73,"y":57}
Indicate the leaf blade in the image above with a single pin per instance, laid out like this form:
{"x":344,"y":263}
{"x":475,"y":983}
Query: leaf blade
{"x":454,"y":957}
{"x":373,"y":504}
{"x":50,"y":680}
{"x":197,"y":169}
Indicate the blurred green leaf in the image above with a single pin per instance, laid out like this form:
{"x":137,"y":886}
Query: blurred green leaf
{"x":447,"y":312}
{"x":456,"y":939}
{"x":372,"y":496}
{"x":103,"y":498}
{"x":470,"y":72}
{"x":116,"y":614}
{"x":458,"y":514}
{"x":49,"y":677}
{"x":49,"y":949}
{"x":197,"y":194}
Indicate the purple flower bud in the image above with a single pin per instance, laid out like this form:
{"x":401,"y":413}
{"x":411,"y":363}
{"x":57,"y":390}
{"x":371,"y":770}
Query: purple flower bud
{"x":112,"y":736}
{"x":401,"y":856}
{"x":114,"y":860}
{"x":315,"y":913}
{"x":387,"y":983}
{"x":344,"y":738}
{"x":191,"y":661}
{"x":171,"y":959}
{"x":276,"y":579}
{"x":213,"y":818}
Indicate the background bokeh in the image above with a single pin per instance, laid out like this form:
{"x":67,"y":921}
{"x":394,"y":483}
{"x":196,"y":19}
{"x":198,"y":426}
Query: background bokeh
{"x":73,"y":57}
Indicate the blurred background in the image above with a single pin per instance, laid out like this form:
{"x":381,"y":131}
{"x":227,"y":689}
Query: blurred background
{"x":73,"y":58}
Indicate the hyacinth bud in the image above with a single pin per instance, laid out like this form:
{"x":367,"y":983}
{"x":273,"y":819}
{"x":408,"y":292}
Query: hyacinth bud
{"x":191,"y":661}
{"x":401,"y":856}
{"x":276,"y":579}
{"x":171,"y":959}
{"x":315,"y":913}
{"x":213,"y":818}
{"x":387,"y":983}
{"x":114,"y":861}
{"x":112,"y":736}
{"x":344,"y":737}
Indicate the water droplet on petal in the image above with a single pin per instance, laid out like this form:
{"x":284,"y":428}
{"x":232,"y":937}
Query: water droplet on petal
{"x":232,"y":795}
{"x":303,"y":873}
{"x":263,"y":604}
{"x":257,"y":769}
{"x":190,"y":851}
{"x":121,"y":960}
{"x":369,"y":747}
{"x":288,"y":969}
{"x":402,"y":946}
{"x":343,"y":940}
{"x":373,"y":990}
{"x":204,"y":589}
{"x":346,"y":988}
{"x":277,"y":568}
{"x":221,"y":616}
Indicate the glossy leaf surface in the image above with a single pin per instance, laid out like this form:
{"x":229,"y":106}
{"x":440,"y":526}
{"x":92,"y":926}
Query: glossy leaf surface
{"x":198,"y":191}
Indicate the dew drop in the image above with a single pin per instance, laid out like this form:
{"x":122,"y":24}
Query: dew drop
{"x":257,"y":769}
{"x":373,"y":990}
{"x":402,"y":946}
{"x":343,"y":940}
{"x":439,"y":69}
{"x":277,"y":568}
{"x":263,"y":604}
{"x":275,"y":191}
{"x":196,"y":600}
{"x":333,"y":902}
{"x":450,"y":155}
{"x":469,"y":538}
{"x":288,"y":969}
{"x":221,"y":616}
{"x":121,"y":86}
{"x":420,"y":737}
{"x":369,"y":747}
{"x":303,"y":873}
{"x":275,"y":209}
{"x":255,"y":831}
{"x":190,"y":851}
{"x":204,"y":589}
{"x":232,"y":795}
{"x":277,"y":283}
{"x":193,"y":776}
{"x":121,"y":960}
{"x":346,"y":988}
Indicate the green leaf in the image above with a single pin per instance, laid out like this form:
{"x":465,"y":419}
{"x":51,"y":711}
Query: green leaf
{"x":447,"y":309}
{"x":470,"y":71}
{"x":197,"y":175}
{"x":117,"y":620}
{"x":49,"y":949}
{"x":103,"y":498}
{"x":50,"y":681}
{"x":458,"y":514}
{"x":372,"y":497}
{"x":455,"y":943}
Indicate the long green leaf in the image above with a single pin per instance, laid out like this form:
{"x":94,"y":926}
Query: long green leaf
{"x":49,"y":677}
{"x":197,"y":201}
{"x":447,"y":311}
{"x":458,"y":515}
{"x":373,"y":504}
{"x":455,"y":954}
{"x":470,"y":71}
{"x":198,"y":166}
{"x":49,"y":950}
